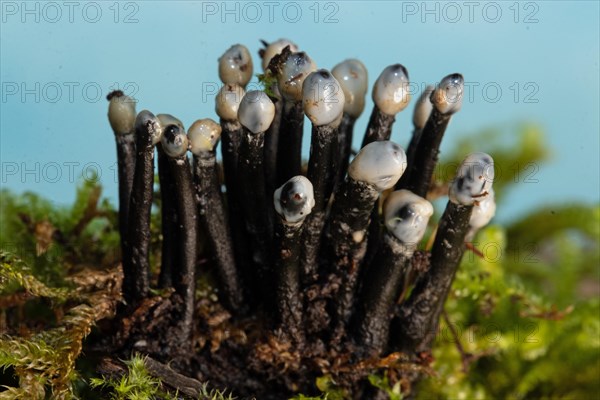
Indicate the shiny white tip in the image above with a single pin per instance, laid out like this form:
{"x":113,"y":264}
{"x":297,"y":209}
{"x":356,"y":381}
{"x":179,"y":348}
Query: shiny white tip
{"x":323,"y":99}
{"x":391,"y":92}
{"x":121,"y":114}
{"x":146,"y":120}
{"x":353,"y":78}
{"x":423,"y":108}
{"x":235,"y":66}
{"x":294,"y":71}
{"x":275,"y":48}
{"x":448,"y":96}
{"x":483,"y":212}
{"x":406,"y":216}
{"x":228,"y":101}
{"x":173,"y":138}
{"x":380,"y":164}
{"x":294,"y":200}
{"x":256,"y":111}
{"x":473,"y":180}
{"x":203,"y":136}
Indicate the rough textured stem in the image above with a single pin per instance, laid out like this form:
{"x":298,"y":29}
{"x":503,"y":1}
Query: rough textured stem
{"x":383,"y":282}
{"x":271,"y":148}
{"x":231,"y":140}
{"x":345,"y":136}
{"x":126,"y":169}
{"x":410,"y":158}
{"x":379,"y":127}
{"x":426,"y":154}
{"x":321,"y":174}
{"x":289,"y":149}
{"x":136,"y":265}
{"x":211,"y":212}
{"x":289,"y":303}
{"x":420,"y":313}
{"x":252,"y":181}
{"x":347,"y":242}
{"x":169,"y":220}
{"x":184,"y":276}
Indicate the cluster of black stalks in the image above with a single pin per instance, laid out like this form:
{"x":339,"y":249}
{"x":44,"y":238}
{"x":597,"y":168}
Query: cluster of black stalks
{"x":325,"y":259}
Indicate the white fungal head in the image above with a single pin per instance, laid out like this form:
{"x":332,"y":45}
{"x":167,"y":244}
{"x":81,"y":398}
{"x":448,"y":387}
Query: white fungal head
{"x":473,"y":179}
{"x":275,"y":48}
{"x":235,"y":66}
{"x":228,"y":101}
{"x":294,"y":200}
{"x":379,"y":163}
{"x":322,"y":97}
{"x":256,"y":111}
{"x":121,"y":113}
{"x":174,"y":140}
{"x":146,"y":120}
{"x":391,"y":92}
{"x":203,"y":135}
{"x":423,"y":108}
{"x":353,"y":78}
{"x":483,"y":212}
{"x":406,"y":216}
{"x":294,"y":71}
{"x":448,"y":95}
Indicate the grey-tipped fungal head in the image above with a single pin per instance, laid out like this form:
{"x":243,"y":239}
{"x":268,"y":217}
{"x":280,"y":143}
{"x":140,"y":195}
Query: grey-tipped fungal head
{"x":203,"y":135}
{"x":146,"y":120}
{"x":294,"y":71}
{"x":323,"y":98}
{"x":423,"y":108}
{"x":294,"y":200}
{"x":121,"y":113}
{"x":275,"y":48}
{"x":228,"y":101}
{"x":235,"y":66}
{"x":391,"y":92}
{"x":379,"y":163}
{"x":406,"y":216}
{"x":448,"y":95}
{"x":256,"y":111}
{"x":483,"y":212}
{"x":473,"y":179}
{"x":174,"y":140}
{"x":353,"y":78}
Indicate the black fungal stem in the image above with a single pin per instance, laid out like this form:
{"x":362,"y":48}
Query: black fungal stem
{"x":345,"y":136}
{"x":379,"y":127}
{"x":169,"y":220}
{"x":289,"y":149}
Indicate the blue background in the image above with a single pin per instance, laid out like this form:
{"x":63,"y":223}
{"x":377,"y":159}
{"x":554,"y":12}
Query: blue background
{"x":165,"y":54}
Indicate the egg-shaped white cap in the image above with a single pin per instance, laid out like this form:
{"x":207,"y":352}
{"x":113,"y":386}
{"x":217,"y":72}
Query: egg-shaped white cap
{"x":473,"y":180}
{"x":146,"y":120}
{"x":323,"y":98}
{"x":235,"y":66}
{"x":121,"y":113}
{"x":228,"y":101}
{"x":203,"y":135}
{"x":295,"y":199}
{"x":391,"y":92}
{"x":174,"y":141}
{"x":483,"y":212}
{"x":294,"y":71}
{"x":353,"y":78}
{"x":275,"y":48}
{"x":256,"y":111}
{"x":406,"y":216}
{"x":447,"y":97}
{"x":380,"y":163}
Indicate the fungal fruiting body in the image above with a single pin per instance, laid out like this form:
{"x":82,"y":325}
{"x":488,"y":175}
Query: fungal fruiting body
{"x":274,"y":48}
{"x":376,"y":168}
{"x":391,"y":94}
{"x":446,"y":100}
{"x":352,"y":76}
{"x":421,"y":312}
{"x":235,"y":66}
{"x":323,"y":103}
{"x":293,"y":203}
{"x":255,"y":113}
{"x":405,"y":217}
{"x":294,"y":70}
